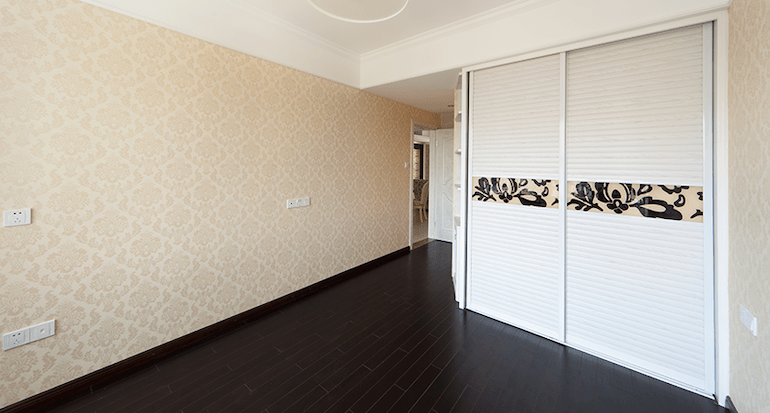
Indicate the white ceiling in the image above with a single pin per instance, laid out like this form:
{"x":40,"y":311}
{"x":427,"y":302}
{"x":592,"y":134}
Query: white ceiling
{"x":418,"y":17}
{"x":433,"y":92}
{"x":415,"y":57}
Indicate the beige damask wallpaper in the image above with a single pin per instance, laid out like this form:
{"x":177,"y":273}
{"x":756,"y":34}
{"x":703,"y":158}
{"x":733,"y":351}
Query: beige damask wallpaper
{"x":158,"y":168}
{"x":749,"y":284}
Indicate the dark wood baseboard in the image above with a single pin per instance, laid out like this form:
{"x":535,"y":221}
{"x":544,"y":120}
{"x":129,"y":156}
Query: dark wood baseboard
{"x":730,"y":406}
{"x":91,"y":382}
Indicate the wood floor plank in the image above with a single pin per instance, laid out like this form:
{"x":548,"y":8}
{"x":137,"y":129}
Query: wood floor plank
{"x":447,"y":341}
{"x":307,"y":400}
{"x":391,"y":339}
{"x":346,"y":364}
{"x":298,"y":386}
{"x":466,"y":401}
{"x":386,"y":401}
{"x":497,"y":380}
{"x":449,"y":363}
{"x":481,"y":358}
{"x":339,"y":391}
{"x":416,"y":391}
{"x":361,"y":388}
{"x":570,"y":380}
{"x":605,"y":387}
{"x":385,"y":383}
{"x":526,"y":396}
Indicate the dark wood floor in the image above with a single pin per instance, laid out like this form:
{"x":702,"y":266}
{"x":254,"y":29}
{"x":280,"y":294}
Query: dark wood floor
{"x":390,"y":340}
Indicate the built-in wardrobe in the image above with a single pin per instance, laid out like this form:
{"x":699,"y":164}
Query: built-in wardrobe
{"x":589,"y":201}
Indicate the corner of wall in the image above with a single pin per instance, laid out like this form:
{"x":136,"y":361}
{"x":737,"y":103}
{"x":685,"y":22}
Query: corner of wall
{"x":749,"y":159}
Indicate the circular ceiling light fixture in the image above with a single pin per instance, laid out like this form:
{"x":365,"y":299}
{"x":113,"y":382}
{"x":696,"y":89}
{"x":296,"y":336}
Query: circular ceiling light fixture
{"x":360,"y":11}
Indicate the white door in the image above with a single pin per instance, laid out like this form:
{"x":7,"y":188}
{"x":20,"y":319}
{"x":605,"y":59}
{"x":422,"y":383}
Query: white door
{"x":441,"y":185}
{"x":513,"y":216}
{"x":638,"y":261}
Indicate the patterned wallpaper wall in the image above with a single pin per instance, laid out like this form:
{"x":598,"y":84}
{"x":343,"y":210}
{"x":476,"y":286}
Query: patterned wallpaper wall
{"x":749,"y":100}
{"x":158,"y":168}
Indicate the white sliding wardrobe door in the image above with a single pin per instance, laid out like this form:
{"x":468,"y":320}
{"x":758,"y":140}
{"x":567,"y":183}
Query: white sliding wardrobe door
{"x":513,"y":215}
{"x":639,"y":280}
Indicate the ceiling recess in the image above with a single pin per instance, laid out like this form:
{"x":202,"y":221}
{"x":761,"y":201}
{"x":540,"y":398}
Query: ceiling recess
{"x":360,"y":11}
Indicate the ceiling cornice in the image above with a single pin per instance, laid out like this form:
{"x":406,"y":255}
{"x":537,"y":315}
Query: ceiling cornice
{"x":298,"y":48}
{"x":489,"y":16}
{"x":297,"y":31}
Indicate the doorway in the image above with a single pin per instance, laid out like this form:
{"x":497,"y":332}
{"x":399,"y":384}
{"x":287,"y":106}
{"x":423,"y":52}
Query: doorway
{"x":420,"y":178}
{"x":432,"y":186}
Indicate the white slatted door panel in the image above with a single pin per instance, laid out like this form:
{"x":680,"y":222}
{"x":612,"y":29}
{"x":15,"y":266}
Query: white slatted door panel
{"x":635,"y":110}
{"x":515,"y":266}
{"x":516,"y":120}
{"x":635,"y":293}
{"x":514,"y":249}
{"x":637,"y":286}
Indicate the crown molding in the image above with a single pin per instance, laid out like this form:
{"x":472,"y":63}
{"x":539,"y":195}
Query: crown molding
{"x":538,"y":24}
{"x":468,"y":23}
{"x":493,"y":15}
{"x":298,"y":31}
{"x":336,"y":56}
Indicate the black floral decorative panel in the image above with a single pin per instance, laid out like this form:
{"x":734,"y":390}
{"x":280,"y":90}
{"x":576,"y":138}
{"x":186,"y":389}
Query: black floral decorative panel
{"x":542,"y":193}
{"x":680,"y":203}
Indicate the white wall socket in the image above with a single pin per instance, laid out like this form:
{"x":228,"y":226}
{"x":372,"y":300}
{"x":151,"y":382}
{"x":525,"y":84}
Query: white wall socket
{"x":17,"y":217}
{"x":27,"y":335}
{"x":749,"y":320}
{"x":15,"y":338}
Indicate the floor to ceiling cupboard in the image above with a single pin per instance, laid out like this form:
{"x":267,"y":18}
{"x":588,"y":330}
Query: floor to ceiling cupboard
{"x":590,"y":217}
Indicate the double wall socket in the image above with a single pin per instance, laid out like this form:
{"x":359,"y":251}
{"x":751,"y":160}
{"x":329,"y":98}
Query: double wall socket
{"x":297,"y":202}
{"x":16,"y":217}
{"x":27,"y":335}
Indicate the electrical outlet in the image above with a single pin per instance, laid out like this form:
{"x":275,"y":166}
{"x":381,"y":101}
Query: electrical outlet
{"x":17,"y":217}
{"x":749,"y":320}
{"x":15,"y":339}
{"x":42,"y":330}
{"x":29,"y":334}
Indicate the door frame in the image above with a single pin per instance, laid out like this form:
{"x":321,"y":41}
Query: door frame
{"x":415,"y":126}
{"x":720,"y":141}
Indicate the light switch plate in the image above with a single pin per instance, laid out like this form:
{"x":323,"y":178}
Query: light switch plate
{"x":42,"y":330}
{"x":297,"y":202}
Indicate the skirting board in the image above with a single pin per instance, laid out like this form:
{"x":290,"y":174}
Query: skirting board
{"x":730,"y":406}
{"x":93,"y":381}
